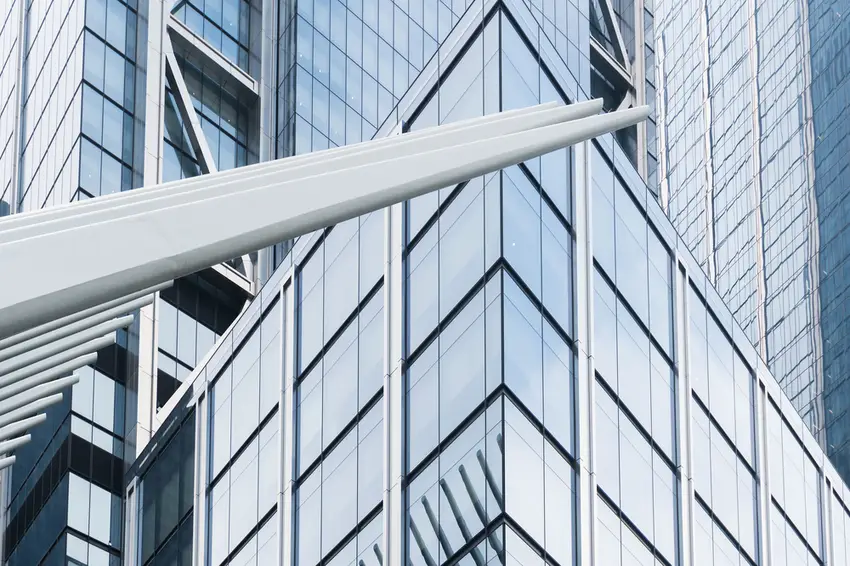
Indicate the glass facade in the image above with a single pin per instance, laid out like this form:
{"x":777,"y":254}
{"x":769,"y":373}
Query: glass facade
{"x":754,"y":96}
{"x":527,"y":368}
{"x":73,"y":122}
{"x":9,"y":51}
{"x":830,"y":99}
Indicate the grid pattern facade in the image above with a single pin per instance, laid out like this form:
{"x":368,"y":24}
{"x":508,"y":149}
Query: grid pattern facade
{"x":74,"y":139}
{"x":9,"y":69}
{"x":79,"y":133}
{"x":739,"y":174}
{"x":500,"y":372}
{"x":830,"y":97}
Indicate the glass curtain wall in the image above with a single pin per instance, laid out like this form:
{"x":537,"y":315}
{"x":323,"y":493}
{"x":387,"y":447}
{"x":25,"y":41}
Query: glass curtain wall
{"x":489,"y":335}
{"x":510,"y":287}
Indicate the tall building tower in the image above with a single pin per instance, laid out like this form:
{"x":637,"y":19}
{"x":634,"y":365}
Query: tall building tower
{"x":754,"y":106}
{"x":526,"y":368}
{"x":102,"y":96}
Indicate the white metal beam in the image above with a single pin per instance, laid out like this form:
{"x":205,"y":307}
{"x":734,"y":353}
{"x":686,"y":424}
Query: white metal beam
{"x":28,"y":358}
{"x":8,"y":445}
{"x":6,"y":462}
{"x":284,"y":173}
{"x":175,"y":239}
{"x":13,"y":389}
{"x":116,"y":305}
{"x":29,"y":410}
{"x":58,"y":359}
{"x":36,"y":394}
{"x":72,"y":329}
{"x":251,"y":172}
{"x":14,"y":429}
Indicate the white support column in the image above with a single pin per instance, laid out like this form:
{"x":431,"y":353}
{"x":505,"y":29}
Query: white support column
{"x":683,"y":411}
{"x":393,"y":402}
{"x":129,"y":550}
{"x":286,"y":509}
{"x":585,"y":382}
{"x":762,"y":435}
{"x":267,"y":114}
{"x":200,"y":516}
{"x":153,"y":64}
{"x":826,"y":519}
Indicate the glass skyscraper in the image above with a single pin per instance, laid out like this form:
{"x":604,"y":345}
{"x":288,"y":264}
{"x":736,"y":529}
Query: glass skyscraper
{"x":88,"y":109}
{"x":527,"y":368}
{"x":754,"y":107}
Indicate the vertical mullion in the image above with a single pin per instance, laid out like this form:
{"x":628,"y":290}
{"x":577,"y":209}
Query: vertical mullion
{"x":286,"y":414}
{"x":683,"y":418}
{"x":585,"y":390}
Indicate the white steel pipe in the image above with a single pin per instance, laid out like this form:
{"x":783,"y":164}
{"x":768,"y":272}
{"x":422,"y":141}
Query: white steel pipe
{"x":58,"y":359}
{"x":36,"y":393}
{"x":33,"y":408}
{"x":79,"y":315}
{"x":7,"y":446}
{"x":16,"y":428}
{"x":28,"y":358}
{"x":74,"y":328}
{"x":47,"y":376}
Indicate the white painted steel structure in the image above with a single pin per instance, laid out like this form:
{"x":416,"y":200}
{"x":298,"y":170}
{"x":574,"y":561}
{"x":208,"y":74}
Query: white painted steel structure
{"x":94,"y":262}
{"x":38,"y":364}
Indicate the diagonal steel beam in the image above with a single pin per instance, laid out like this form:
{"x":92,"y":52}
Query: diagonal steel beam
{"x":613,"y":25}
{"x":211,"y":59}
{"x":283,"y":171}
{"x":187,"y":110}
{"x":174,"y":240}
{"x":192,"y":123}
